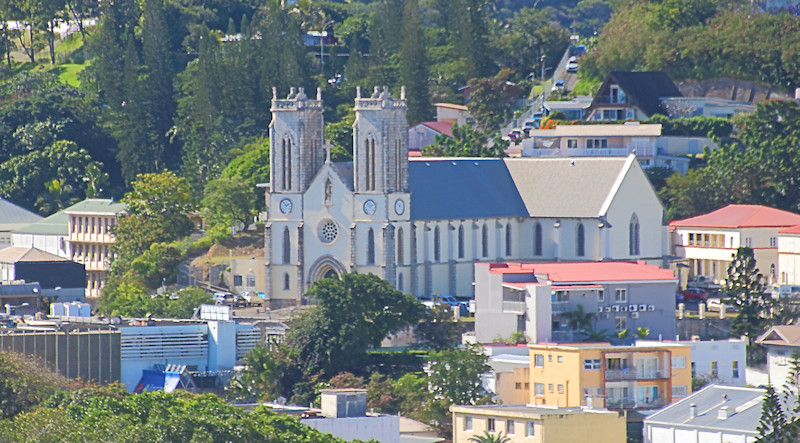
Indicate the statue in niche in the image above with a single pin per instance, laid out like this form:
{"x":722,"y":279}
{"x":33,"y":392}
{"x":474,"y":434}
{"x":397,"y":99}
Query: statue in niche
{"x":328,"y":192}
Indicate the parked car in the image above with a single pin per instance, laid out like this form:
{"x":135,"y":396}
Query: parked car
{"x":715,"y":304}
{"x":573,"y":59}
{"x":703,"y":282}
{"x":785,"y":291}
{"x":515,"y":135}
{"x":579,"y":50}
{"x":572,"y":67}
{"x":252,"y":298}
{"x":449,"y":300}
{"x":219,"y":297}
{"x":694,"y":294}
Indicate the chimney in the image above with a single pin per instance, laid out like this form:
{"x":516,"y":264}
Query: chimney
{"x":692,"y":411}
{"x":724,"y":413}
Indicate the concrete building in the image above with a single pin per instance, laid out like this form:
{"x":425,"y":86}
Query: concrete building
{"x":707,"y":243}
{"x":455,"y":114}
{"x":344,"y":415}
{"x":717,"y":361}
{"x":59,"y":278}
{"x":90,"y":238}
{"x":422,"y":224}
{"x":538,"y":424}
{"x":615,"y":377}
{"x":789,"y":256}
{"x":714,"y":414}
{"x":509,"y":377}
{"x":50,"y":234}
{"x":781,"y":342}
{"x":535,"y":298}
{"x":677,"y":107}
{"x":13,"y":217}
{"x":424,"y":134}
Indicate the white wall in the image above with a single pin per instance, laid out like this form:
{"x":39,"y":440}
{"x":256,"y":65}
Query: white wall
{"x":384,"y":428}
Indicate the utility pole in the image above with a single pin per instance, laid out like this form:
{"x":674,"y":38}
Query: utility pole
{"x":544,"y":91}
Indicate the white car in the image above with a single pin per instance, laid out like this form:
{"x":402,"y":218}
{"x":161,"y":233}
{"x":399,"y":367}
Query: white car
{"x":572,"y":67}
{"x":715,"y":305}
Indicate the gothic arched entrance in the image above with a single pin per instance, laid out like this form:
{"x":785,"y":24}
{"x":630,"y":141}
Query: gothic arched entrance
{"x":325,"y":267}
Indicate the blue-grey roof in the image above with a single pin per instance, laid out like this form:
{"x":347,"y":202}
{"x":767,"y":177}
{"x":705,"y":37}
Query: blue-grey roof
{"x":56,"y":224}
{"x":744,"y":404}
{"x":13,"y":214}
{"x":452,"y":189}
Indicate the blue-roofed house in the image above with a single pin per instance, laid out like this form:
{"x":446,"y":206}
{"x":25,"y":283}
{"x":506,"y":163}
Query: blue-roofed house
{"x":423,"y":223}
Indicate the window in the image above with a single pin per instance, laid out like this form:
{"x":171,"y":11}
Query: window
{"x":370,"y":247}
{"x":517,"y":385}
{"x":549,"y":358}
{"x":537,"y":239}
{"x":601,"y":296}
{"x":490,"y":424}
{"x":748,"y":242}
{"x":560,"y":389}
{"x":691,"y":238}
{"x":735,"y":369}
{"x":678,"y":362}
{"x":529,"y":428}
{"x":621,"y":296}
{"x":485,"y":241}
{"x":679,"y":391}
{"x":370,"y":164}
{"x":237,"y":280}
{"x":508,"y":238}
{"x":400,"y":246}
{"x":538,"y":361}
{"x":287,"y":164}
{"x":714,"y":369}
{"x":597,"y":143}
{"x":633,"y":236}
{"x":461,"y":241}
{"x":773,"y":242}
{"x":561,"y":296}
{"x":509,"y":427}
{"x":694,"y":369}
{"x":550,"y":387}
{"x":467,"y":423}
{"x":400,"y":281}
{"x":437,"y":247}
{"x":572,"y":143}
{"x":285,"y":282}
{"x":580,"y":241}
{"x":560,"y":359}
{"x":620,"y":323}
{"x":538,"y":389}
{"x":287,"y":247}
{"x":251,"y":281}
{"x":591,"y":364}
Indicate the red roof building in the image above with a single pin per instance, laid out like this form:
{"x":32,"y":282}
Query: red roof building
{"x":741,"y":216}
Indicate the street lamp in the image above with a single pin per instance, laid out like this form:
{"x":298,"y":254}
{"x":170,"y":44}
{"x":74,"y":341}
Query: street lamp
{"x":544,"y":91}
{"x":322,"y":46}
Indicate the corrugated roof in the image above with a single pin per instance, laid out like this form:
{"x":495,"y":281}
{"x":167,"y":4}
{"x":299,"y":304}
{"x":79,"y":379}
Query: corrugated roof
{"x":744,"y":404}
{"x":782,"y":335}
{"x":741,"y":216}
{"x":16,"y":254}
{"x":14,"y":214}
{"x":581,"y":272}
{"x":96,"y":206}
{"x":56,"y":224}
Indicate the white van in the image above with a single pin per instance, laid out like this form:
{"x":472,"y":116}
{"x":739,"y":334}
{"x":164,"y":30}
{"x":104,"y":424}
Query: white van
{"x":785,"y":291}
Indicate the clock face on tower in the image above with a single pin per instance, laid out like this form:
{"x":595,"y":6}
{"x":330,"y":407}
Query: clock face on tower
{"x":399,"y":207}
{"x":369,"y":207}
{"x":286,"y":206}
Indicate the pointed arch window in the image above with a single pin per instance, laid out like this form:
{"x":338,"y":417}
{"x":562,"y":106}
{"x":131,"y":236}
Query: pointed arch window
{"x":286,"y":286}
{"x":580,"y":241}
{"x":400,"y":246}
{"x":508,"y":239}
{"x":287,"y":247}
{"x":437,"y":247}
{"x":370,"y":247}
{"x":485,"y":241}
{"x":369,"y":159}
{"x":633,"y":236}
{"x":400,"y":281}
{"x":287,"y":164}
{"x":461,"y":241}
{"x":398,"y":166}
{"x":537,"y":239}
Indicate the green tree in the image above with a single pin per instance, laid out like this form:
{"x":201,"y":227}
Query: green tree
{"x":252,"y":166}
{"x":227,"y":202}
{"x":438,"y":330}
{"x":414,"y":65}
{"x":745,"y":289}
{"x":353,"y":314}
{"x":490,"y":438}
{"x":772,"y":427}
{"x":269,"y":372}
{"x":676,"y":14}
{"x":25,"y":384}
{"x":491,"y":99}
{"x":579,"y":319}
{"x":466,"y":142}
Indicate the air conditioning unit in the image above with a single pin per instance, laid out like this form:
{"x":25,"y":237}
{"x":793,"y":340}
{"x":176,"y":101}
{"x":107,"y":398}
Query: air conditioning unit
{"x":634,"y":315}
{"x":651,"y":308}
{"x":608,"y":308}
{"x":599,"y":309}
{"x":642,"y":308}
{"x":623,"y":308}
{"x":632,"y":308}
{"x":615,"y":308}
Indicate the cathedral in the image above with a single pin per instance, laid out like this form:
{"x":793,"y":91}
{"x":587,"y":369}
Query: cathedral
{"x":422,"y":224}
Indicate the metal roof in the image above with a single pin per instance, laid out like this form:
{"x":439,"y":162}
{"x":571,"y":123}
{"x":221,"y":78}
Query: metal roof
{"x":96,"y":206}
{"x":14,"y":214}
{"x":744,"y":404}
{"x":56,"y":224}
{"x":16,"y":254}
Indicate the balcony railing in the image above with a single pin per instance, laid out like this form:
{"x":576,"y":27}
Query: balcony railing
{"x":631,"y":403}
{"x":612,"y":100}
{"x":566,"y":336}
{"x":642,"y":150}
{"x":633,"y":374}
{"x":514,"y":307}
{"x":559,"y":307}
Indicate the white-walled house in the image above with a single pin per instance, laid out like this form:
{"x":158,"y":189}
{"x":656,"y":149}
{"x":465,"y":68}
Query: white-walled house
{"x":422,"y":224}
{"x":707,"y":243}
{"x":50,"y":234}
{"x":717,"y":361}
{"x":789,"y":256}
{"x":781,"y":342}
{"x":532,"y":298}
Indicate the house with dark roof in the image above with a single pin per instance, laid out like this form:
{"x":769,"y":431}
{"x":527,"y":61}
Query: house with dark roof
{"x":780,"y":342}
{"x":58,"y":277}
{"x":628,"y":95}
{"x":707,"y":242}
{"x":713,"y":414}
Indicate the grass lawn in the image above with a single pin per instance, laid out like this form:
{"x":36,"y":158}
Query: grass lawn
{"x":68,"y":73}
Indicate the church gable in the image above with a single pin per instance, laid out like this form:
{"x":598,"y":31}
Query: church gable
{"x":327,"y":188}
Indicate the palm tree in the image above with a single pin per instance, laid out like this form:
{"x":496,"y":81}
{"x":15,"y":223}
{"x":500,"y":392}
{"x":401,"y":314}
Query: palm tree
{"x":579,"y":319}
{"x":490,"y":438}
{"x":593,"y":335}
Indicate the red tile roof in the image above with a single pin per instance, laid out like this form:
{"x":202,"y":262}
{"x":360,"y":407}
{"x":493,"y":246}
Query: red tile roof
{"x":741,"y":216}
{"x":451,"y":106}
{"x":792,"y":230}
{"x":443,"y":127}
{"x":581,"y":272}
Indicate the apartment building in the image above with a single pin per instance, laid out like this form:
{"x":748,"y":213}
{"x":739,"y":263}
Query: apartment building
{"x":615,"y":377}
{"x":707,"y":243}
{"x":538,"y":424}
{"x":90,"y":227}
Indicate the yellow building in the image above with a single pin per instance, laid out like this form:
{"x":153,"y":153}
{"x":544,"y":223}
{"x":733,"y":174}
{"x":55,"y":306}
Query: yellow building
{"x":616,"y":377}
{"x":538,"y":424}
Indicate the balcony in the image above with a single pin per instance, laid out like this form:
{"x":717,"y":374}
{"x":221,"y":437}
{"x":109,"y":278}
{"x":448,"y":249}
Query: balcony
{"x":631,"y":403}
{"x":610,"y":100}
{"x":513,"y":307}
{"x":633,"y":374}
{"x":560,"y":307}
{"x":642,"y":150}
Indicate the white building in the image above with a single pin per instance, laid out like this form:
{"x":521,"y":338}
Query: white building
{"x":422,"y":224}
{"x":781,"y":342}
{"x":714,"y":414}
{"x":708,"y":242}
{"x":50,"y":234}
{"x":13,"y":217}
{"x":344,"y":415}
{"x":717,"y":361}
{"x":789,"y":256}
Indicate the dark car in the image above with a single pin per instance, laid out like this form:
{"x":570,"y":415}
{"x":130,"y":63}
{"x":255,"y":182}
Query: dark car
{"x":694,"y":294}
